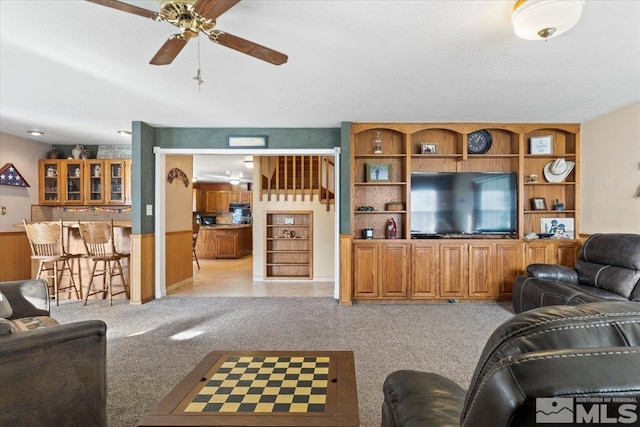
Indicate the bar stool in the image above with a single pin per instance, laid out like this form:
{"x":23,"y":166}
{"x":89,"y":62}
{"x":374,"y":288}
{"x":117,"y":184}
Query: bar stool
{"x":47,"y":247}
{"x":74,"y":258}
{"x":100,"y":248}
{"x":196,"y":230}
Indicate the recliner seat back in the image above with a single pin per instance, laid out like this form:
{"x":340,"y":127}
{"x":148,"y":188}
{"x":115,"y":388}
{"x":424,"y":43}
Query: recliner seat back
{"x":611,"y":262}
{"x":521,"y":360}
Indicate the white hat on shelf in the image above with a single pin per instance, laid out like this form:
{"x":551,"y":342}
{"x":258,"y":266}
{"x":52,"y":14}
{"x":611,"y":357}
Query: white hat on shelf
{"x":557,"y":170}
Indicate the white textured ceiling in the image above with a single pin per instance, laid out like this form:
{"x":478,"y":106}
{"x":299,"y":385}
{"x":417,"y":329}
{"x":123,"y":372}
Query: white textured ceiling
{"x":79,"y":71}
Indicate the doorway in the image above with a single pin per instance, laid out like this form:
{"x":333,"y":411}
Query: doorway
{"x":259,"y":288}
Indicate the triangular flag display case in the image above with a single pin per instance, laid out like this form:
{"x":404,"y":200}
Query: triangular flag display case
{"x":9,"y":175}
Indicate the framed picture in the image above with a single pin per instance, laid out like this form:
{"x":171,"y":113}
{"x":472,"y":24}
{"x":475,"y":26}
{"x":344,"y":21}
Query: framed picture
{"x":558,"y":228}
{"x":378,"y":172}
{"x":254,"y":141}
{"x":538,"y":204}
{"x":541,"y":145}
{"x":429,"y":148}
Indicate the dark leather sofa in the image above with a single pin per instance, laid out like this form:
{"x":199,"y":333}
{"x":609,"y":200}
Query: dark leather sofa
{"x":585,"y":351}
{"x":53,"y":376}
{"x":607,"y":269}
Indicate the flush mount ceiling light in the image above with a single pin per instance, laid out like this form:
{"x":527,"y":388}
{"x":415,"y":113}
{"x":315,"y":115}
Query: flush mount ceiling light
{"x":124,"y":133}
{"x":543,"y":19}
{"x":248,"y":164}
{"x":234,"y":181}
{"x":35,"y":133}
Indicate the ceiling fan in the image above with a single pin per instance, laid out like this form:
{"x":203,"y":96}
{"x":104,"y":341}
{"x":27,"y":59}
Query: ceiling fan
{"x":193,"y":16}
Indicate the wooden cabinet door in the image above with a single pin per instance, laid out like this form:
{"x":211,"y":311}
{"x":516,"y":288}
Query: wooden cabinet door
{"x":393,"y":270}
{"x":538,"y":253}
{"x":566,"y":253}
{"x":211,"y":198}
{"x":365,"y":270}
{"x":481,"y":270}
{"x":226,"y":244}
{"x":223,"y":201}
{"x":453,"y":266}
{"x":509,"y":263}
{"x":234,"y":197}
{"x":50,"y":182}
{"x":424,"y":271}
{"x":73,"y":190}
{"x":246,"y":197}
{"x":94,"y":182}
{"x":116,"y":182}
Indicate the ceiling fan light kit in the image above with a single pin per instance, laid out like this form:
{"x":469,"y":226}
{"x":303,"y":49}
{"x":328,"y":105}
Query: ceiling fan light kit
{"x":193,"y":17}
{"x":544,"y":19}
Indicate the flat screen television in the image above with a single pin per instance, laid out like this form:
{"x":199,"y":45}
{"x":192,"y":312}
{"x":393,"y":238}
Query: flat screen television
{"x":463,"y":203}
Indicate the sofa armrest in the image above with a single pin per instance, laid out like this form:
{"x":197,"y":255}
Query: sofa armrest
{"x":27,"y":298}
{"x":55,"y":376}
{"x":415,"y":398}
{"x":555,"y":272}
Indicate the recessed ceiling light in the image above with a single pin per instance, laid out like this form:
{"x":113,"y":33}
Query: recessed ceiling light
{"x":124,"y":133}
{"x":35,"y":133}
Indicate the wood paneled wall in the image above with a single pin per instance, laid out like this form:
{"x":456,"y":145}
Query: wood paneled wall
{"x":179,"y":257}
{"x":142,"y":286}
{"x":15,"y":256}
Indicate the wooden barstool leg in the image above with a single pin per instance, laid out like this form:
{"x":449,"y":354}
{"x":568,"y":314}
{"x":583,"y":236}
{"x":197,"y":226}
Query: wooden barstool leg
{"x":93,"y":269}
{"x":124,"y":281}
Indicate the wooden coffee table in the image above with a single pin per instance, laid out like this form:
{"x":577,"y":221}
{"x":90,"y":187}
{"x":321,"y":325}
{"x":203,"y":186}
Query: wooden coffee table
{"x":263,"y":388}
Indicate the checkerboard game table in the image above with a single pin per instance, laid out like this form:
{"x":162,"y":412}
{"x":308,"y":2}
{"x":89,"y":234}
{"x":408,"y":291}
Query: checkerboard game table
{"x":263,"y":388}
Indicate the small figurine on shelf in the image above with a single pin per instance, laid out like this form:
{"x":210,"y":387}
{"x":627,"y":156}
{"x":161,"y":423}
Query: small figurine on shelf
{"x":377,"y":143}
{"x":392,"y":229}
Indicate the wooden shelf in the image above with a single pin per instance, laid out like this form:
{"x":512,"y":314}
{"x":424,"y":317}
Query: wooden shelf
{"x":289,"y":257}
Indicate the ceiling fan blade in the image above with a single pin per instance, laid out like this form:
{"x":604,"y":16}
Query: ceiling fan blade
{"x":169,"y":50}
{"x":211,"y":9}
{"x":250,"y":48}
{"x":125,"y":7}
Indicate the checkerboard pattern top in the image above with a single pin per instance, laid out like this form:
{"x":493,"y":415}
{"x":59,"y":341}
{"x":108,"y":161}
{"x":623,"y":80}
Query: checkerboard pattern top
{"x":245,"y":384}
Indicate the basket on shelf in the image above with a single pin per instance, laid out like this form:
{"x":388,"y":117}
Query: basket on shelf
{"x":394,"y":206}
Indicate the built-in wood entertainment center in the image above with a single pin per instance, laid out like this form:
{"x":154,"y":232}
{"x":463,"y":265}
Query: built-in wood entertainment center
{"x":453,"y":267}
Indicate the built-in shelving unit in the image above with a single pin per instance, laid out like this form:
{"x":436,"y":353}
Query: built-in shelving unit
{"x":289,"y":245}
{"x":471,"y":268}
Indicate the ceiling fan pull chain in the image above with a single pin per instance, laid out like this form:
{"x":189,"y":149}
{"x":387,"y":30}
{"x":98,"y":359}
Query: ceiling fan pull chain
{"x":198,"y":76}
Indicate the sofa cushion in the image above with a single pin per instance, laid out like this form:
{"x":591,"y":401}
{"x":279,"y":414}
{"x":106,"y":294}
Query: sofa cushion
{"x":5,"y":307}
{"x":30,"y":323}
{"x":6,"y":327}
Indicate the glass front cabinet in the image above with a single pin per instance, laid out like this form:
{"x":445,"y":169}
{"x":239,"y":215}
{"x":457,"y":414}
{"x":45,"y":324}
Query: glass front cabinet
{"x":84,"y":182}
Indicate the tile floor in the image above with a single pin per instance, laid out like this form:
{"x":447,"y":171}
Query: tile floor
{"x":234,"y":278}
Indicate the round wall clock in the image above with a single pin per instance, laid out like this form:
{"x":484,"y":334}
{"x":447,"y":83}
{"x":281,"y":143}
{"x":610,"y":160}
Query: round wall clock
{"x":479,"y":142}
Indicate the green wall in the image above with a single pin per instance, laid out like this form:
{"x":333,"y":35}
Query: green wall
{"x":146,"y":137}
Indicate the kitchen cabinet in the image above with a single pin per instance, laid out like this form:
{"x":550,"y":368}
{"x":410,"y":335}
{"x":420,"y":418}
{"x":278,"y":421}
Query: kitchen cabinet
{"x":84,"y":182}
{"x":224,"y":241}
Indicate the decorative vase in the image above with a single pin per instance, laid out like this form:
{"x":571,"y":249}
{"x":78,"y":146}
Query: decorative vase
{"x":53,"y":153}
{"x":84,"y":154}
{"x":77,"y":150}
{"x":392,"y":229}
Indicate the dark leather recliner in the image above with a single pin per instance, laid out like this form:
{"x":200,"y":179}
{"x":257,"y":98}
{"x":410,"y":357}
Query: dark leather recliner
{"x":53,"y":376}
{"x":607,"y":269}
{"x":585,"y":351}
